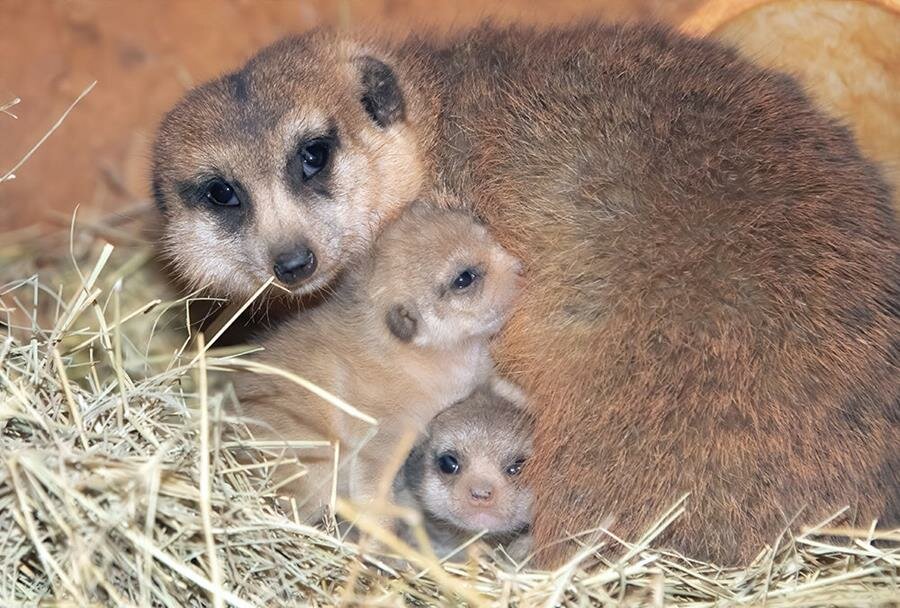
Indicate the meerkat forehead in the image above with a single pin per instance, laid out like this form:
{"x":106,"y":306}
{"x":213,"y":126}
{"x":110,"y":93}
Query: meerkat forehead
{"x":425,"y":243}
{"x":426,"y":224}
{"x":484,"y":424}
{"x":305,"y":83}
{"x":279,"y":93}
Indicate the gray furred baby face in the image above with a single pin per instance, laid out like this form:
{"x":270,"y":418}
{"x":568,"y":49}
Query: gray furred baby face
{"x":285,"y":168}
{"x":438,"y":278}
{"x":468,"y":471}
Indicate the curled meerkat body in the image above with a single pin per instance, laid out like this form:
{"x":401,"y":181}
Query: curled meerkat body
{"x":405,"y":335}
{"x":464,"y":474}
{"x":712,"y":267}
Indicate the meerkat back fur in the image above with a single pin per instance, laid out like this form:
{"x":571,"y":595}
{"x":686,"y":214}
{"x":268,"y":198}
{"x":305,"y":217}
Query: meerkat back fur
{"x":404,"y":336}
{"x":712,"y":267}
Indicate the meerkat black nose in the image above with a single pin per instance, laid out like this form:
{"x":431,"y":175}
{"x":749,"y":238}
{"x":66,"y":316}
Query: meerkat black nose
{"x":483,"y":495}
{"x":295,"y":266}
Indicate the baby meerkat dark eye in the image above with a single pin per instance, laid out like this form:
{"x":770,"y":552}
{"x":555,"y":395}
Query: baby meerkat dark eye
{"x":314,"y":155}
{"x":448,"y":464}
{"x":222,"y":193}
{"x":464,"y":279}
{"x":515,"y":468}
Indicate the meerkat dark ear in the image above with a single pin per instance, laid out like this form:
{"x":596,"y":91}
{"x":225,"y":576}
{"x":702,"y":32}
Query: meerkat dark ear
{"x":381,"y":95}
{"x":403,"y":322}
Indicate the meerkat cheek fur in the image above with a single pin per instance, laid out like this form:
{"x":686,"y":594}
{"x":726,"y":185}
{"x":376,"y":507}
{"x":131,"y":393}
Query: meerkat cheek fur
{"x":712,"y":267}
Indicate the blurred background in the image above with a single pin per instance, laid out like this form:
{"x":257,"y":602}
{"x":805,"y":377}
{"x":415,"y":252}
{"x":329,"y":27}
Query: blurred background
{"x":145,"y":54}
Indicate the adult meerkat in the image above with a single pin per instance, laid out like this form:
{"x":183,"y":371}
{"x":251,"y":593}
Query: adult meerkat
{"x":712,"y":267}
{"x":404,"y":335}
{"x":464,"y":475}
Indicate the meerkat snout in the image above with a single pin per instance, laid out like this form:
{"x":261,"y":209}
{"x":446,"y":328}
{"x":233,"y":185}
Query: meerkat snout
{"x":480,"y":481}
{"x":296,"y":265}
{"x":476,"y":485}
{"x":481,"y":493}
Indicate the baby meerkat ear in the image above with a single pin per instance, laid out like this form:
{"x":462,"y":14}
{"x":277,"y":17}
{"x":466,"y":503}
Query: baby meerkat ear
{"x":403,"y":321}
{"x":381,"y":95}
{"x":509,"y":391}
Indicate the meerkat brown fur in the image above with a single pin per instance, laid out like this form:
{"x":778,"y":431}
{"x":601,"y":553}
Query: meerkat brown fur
{"x":711,"y":299}
{"x":404,"y":336}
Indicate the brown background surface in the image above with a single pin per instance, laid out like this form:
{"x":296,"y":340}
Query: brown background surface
{"x":145,"y":54}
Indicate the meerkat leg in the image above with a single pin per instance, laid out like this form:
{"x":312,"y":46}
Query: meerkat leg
{"x":374,"y":469}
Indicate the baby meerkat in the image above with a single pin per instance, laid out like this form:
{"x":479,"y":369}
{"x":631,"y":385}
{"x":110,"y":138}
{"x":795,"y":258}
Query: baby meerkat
{"x":464,"y":475}
{"x":404,"y":336}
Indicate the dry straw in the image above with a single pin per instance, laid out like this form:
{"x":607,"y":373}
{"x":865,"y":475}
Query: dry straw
{"x":128,"y":479}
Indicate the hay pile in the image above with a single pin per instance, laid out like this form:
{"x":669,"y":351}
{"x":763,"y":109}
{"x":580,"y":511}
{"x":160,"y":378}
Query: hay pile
{"x":125,"y":482}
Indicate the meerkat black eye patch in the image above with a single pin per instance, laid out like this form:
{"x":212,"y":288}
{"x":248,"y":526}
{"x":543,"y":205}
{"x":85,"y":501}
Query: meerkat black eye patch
{"x":309,"y":165}
{"x":222,"y":194}
{"x":403,"y":322}
{"x":381,"y":97}
{"x":226,"y":201}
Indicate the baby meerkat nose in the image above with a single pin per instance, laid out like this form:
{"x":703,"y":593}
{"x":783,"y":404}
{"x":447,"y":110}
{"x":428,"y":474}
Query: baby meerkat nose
{"x":295,"y":266}
{"x":481,"y":494}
